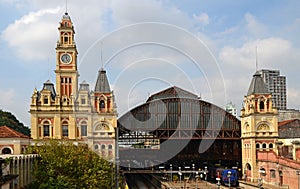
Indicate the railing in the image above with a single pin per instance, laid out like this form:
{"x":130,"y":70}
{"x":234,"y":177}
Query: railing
{"x":20,"y":166}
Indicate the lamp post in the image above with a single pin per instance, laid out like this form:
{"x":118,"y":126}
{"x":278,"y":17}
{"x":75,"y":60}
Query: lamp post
{"x":228,"y":176}
{"x":261,"y":172}
{"x":298,"y":173}
{"x":193,"y":167}
{"x":171,"y":167}
{"x":196,"y":179}
{"x":218,"y":182}
{"x":179,"y":173}
{"x":205,"y":175}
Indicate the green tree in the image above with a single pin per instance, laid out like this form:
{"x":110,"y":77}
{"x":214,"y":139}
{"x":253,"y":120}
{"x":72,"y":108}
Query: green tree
{"x":61,"y":164}
{"x":8,"y":119}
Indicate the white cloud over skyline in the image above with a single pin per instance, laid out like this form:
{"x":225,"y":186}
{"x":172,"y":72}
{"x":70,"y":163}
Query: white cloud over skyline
{"x":231,"y":38}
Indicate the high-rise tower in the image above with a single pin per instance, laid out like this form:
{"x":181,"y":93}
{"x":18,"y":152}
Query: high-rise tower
{"x":276,"y":84}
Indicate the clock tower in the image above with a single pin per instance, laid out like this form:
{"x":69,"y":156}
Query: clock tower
{"x":259,"y":126}
{"x":66,"y":62}
{"x":66,"y":111}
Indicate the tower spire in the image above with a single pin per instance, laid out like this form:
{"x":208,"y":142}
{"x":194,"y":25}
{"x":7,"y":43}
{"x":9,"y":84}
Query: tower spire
{"x":256,"y":61}
{"x":101,"y":56}
{"x":66,"y":6}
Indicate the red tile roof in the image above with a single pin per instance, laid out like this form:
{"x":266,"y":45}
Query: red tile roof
{"x":7,"y":132}
{"x":286,"y":122}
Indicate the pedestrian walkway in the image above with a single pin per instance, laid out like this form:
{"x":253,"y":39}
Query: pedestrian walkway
{"x":265,"y":185}
{"x":189,"y":185}
{"x":206,"y":185}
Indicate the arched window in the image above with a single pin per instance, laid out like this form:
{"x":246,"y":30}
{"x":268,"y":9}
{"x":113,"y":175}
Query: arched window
{"x":102,"y":104}
{"x":271,"y":145}
{"x":46,"y":127}
{"x":257,"y":145}
{"x":110,"y":147}
{"x":261,"y":105}
{"x":65,"y":129}
{"x":273,"y":173}
{"x":96,"y":147}
{"x":6,"y":151}
{"x":102,"y":147}
{"x":248,"y":167}
{"x":264,"y":146}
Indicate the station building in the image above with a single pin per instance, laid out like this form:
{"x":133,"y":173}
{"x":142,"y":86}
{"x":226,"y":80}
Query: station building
{"x":270,"y":149}
{"x":71,"y":111}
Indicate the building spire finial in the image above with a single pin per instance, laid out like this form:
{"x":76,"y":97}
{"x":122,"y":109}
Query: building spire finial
{"x":256,"y":61}
{"x":66,"y":6}
{"x":101,"y":57}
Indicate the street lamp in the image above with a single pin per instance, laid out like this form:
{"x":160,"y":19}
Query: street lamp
{"x":205,"y":174}
{"x":193,"y":167}
{"x":196,"y":179}
{"x":171,"y":172}
{"x":229,"y":175}
{"x":218,"y":183}
{"x":179,"y":173}
{"x":261,"y":173}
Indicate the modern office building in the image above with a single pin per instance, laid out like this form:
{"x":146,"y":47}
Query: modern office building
{"x":276,"y":84}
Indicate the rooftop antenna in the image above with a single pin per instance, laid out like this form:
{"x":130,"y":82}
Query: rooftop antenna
{"x":101,"y":56}
{"x":66,"y":6}
{"x":256,"y":61}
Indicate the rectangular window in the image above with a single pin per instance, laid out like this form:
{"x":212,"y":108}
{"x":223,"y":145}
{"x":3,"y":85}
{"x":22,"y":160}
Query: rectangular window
{"x":46,"y":100}
{"x":82,"y":101}
{"x":65,"y":131}
{"x":83,"y":130}
{"x":66,"y":39}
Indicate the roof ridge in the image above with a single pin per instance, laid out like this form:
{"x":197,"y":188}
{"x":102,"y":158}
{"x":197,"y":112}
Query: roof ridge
{"x":11,"y":133}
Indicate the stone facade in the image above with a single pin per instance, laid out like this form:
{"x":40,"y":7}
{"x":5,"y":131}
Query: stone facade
{"x":269,"y":150}
{"x":71,"y":112}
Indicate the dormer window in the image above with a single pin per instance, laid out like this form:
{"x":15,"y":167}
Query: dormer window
{"x":261,"y":105}
{"x":46,"y":100}
{"x":83,"y":101}
{"x":66,"y":39}
{"x":102,"y":104}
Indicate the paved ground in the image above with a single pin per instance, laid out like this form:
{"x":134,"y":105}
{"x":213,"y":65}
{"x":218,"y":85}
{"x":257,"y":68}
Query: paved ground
{"x":206,"y":185}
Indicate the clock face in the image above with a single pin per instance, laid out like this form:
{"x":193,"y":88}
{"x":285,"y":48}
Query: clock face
{"x":65,"y":58}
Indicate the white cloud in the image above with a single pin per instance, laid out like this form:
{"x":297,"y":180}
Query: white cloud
{"x":202,"y":18}
{"x":238,"y":65}
{"x":253,"y":26}
{"x":271,"y":52}
{"x":33,"y":34}
{"x":7,"y":97}
{"x":135,"y":11}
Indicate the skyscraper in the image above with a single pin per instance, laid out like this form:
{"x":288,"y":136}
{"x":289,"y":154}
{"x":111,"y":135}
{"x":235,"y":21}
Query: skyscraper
{"x":276,"y":85}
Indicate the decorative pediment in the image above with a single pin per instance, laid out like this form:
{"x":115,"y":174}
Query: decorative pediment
{"x":263,"y":127}
{"x":102,"y":127}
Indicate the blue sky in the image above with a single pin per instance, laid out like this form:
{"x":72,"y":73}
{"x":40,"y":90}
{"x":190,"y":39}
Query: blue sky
{"x":207,"y":47}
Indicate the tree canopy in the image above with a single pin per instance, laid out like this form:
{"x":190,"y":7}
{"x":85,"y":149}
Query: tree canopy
{"x":61,"y":164}
{"x":8,"y":119}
